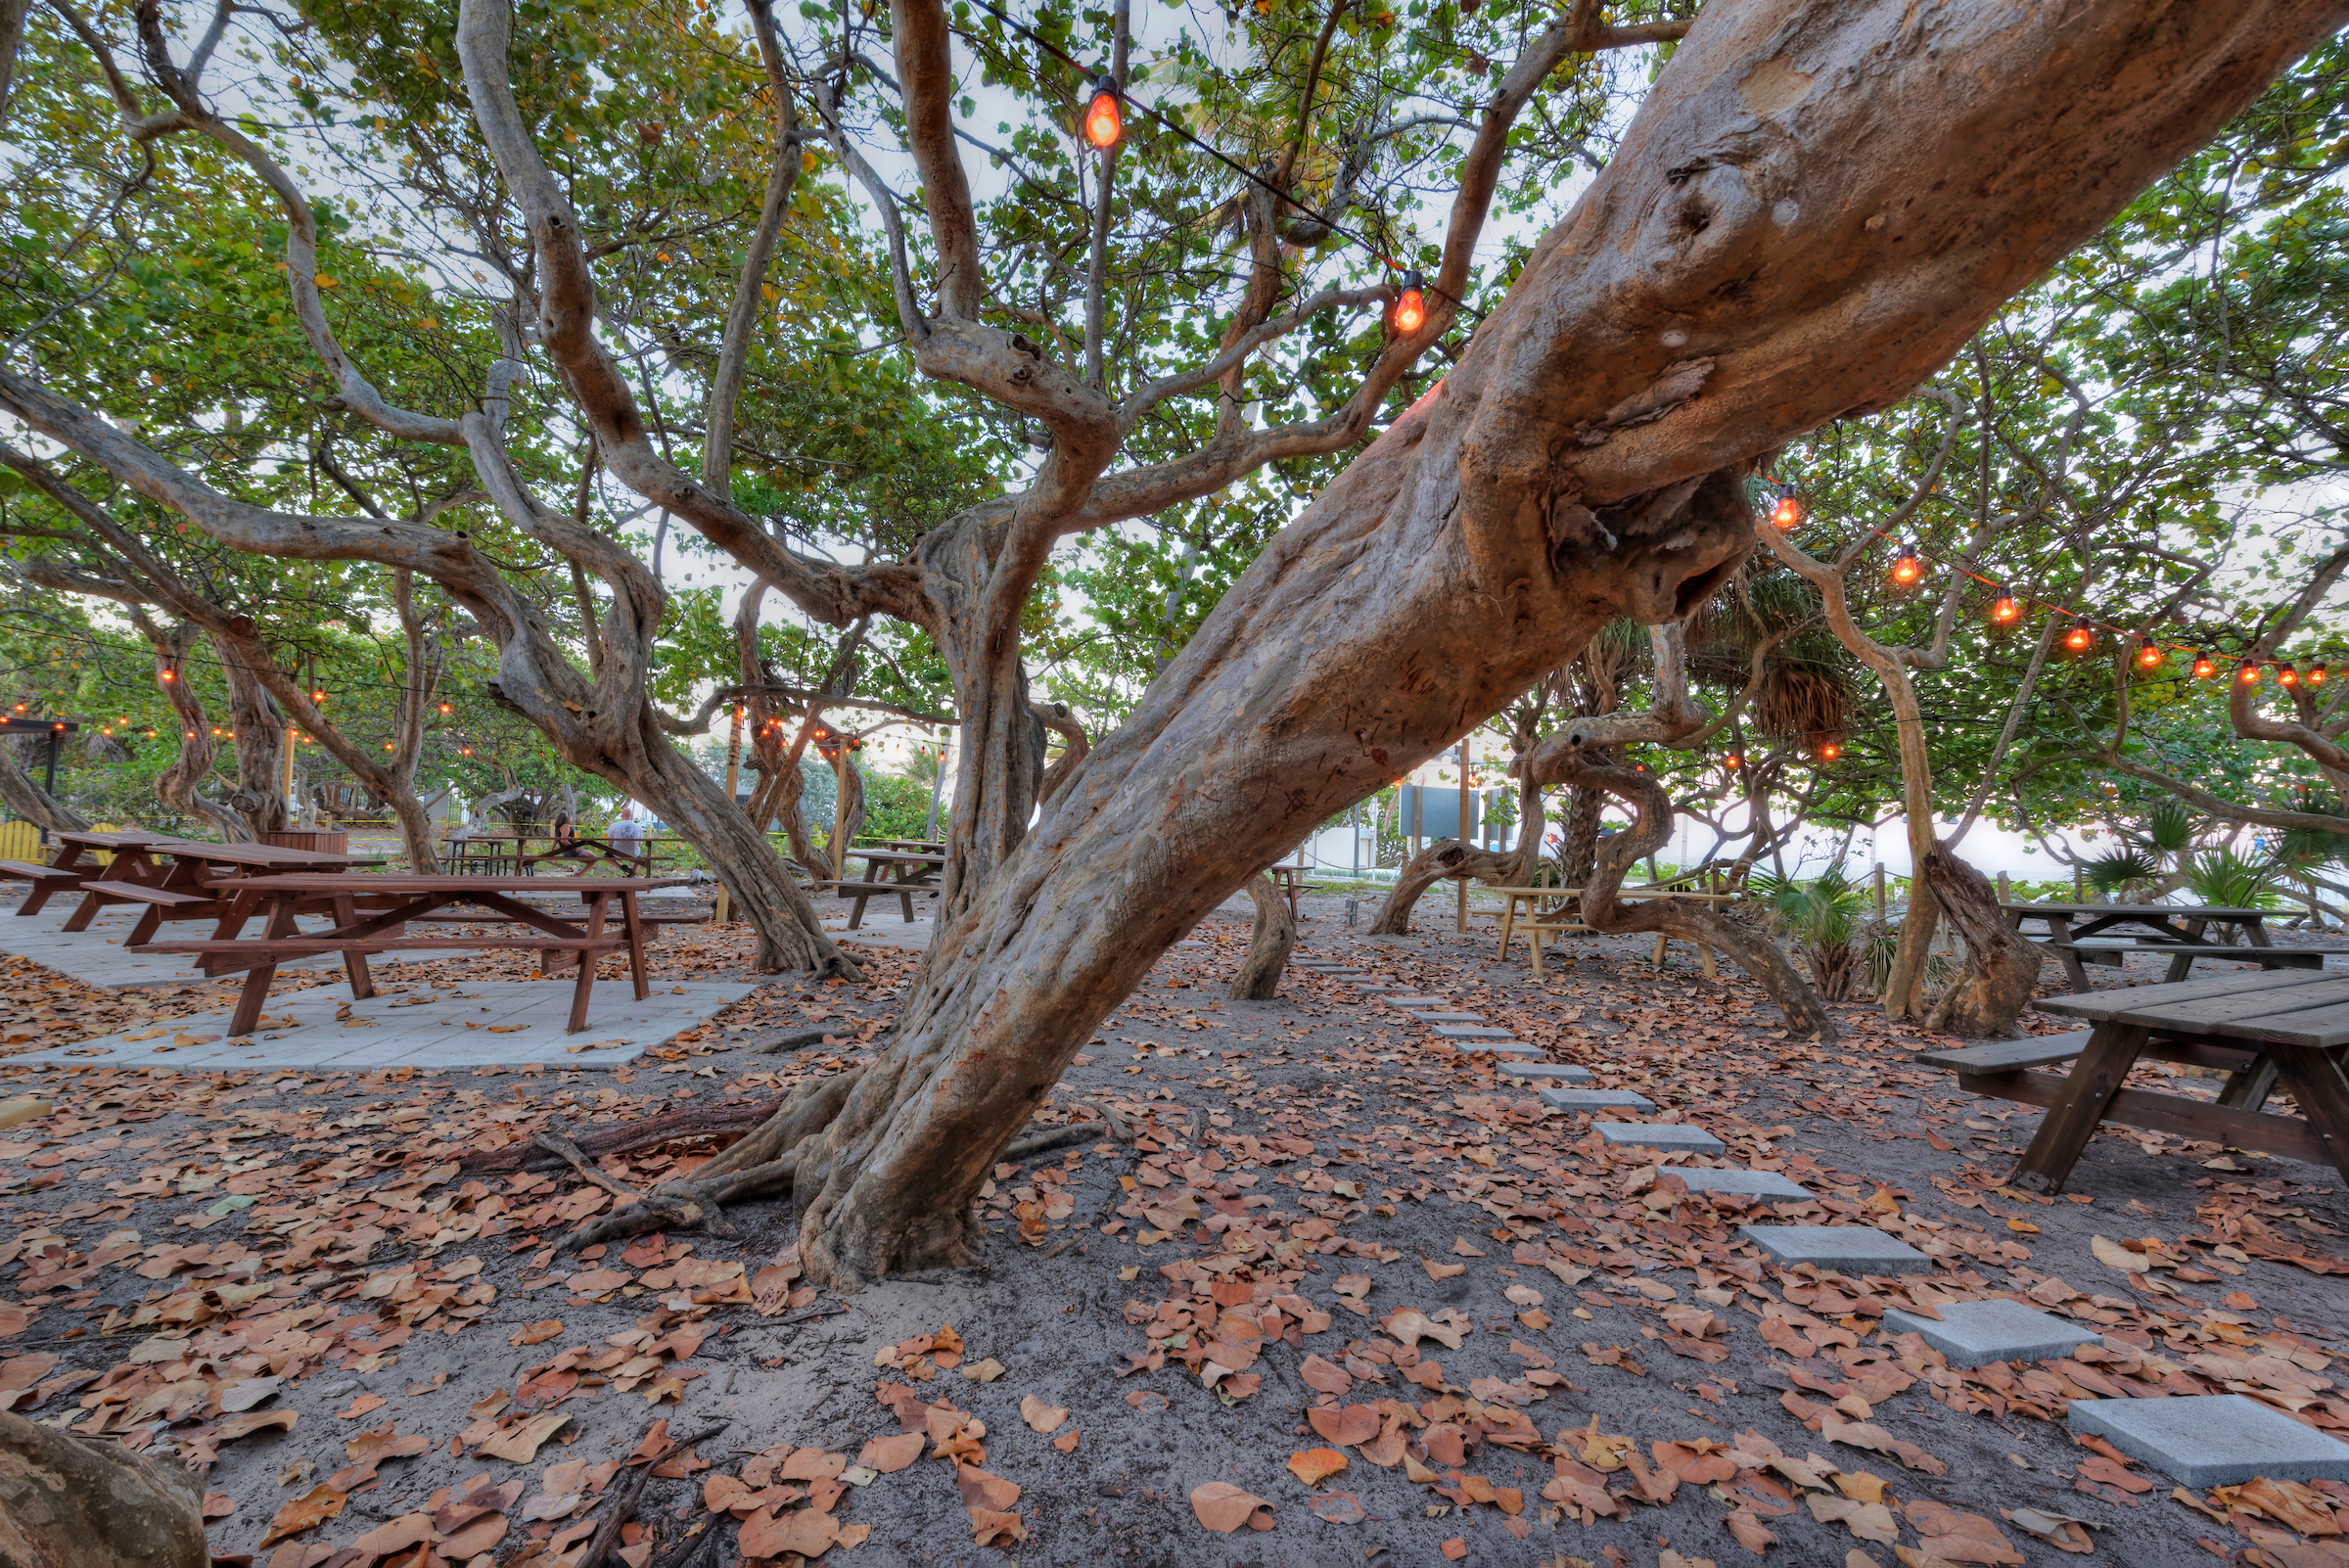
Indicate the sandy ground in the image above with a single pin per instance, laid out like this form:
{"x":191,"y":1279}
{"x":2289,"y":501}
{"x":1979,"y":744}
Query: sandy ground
{"x":1307,"y":1153}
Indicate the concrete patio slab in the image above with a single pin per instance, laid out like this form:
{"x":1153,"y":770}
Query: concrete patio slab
{"x":501,"y":1023}
{"x":2214,"y":1440}
{"x":1433,"y":1016}
{"x":1568,"y":1099}
{"x":1554,"y":1072}
{"x":879,"y":930}
{"x":1469,"y":1032}
{"x":1972,"y":1332}
{"x":95,"y":956}
{"x":1845,"y":1248}
{"x":1659,"y":1135}
{"x":1407,"y":1002}
{"x":1755,"y":1183}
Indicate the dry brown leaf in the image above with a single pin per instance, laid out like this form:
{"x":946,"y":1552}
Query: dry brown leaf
{"x":1223,"y":1507}
{"x":1962,"y":1537}
{"x":1436,"y":1270}
{"x":890,"y":1454}
{"x":2113,"y":1255}
{"x":520,"y":1444}
{"x":305,"y":1512}
{"x":806,"y":1531}
{"x":1040,"y":1416}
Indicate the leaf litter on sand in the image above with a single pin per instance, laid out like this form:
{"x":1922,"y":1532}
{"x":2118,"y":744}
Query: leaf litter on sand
{"x":1420,"y":1389}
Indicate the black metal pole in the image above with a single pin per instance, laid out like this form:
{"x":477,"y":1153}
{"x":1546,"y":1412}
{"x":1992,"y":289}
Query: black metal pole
{"x":49,"y":781}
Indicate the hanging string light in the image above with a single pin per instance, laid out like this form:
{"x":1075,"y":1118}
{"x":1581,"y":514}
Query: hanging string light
{"x":2287,"y":675}
{"x":2205,"y":667}
{"x":2080,"y":639}
{"x":2316,"y":674}
{"x":2249,"y":674}
{"x":1787,"y":512}
{"x":1906,"y":568}
{"x":1733,"y":762}
{"x":447,"y":708}
{"x":2004,"y":611}
{"x":2149,"y":656}
{"x":168,"y":675}
{"x":319,"y":697}
{"x":1103,"y":125}
{"x":1410,"y":306}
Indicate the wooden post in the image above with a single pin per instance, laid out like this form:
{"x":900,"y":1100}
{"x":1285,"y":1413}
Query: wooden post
{"x":938,"y":782}
{"x":723,"y":908}
{"x":1880,"y":905}
{"x":2004,"y":895}
{"x":293,"y":740}
{"x":2079,"y":884}
{"x":1463,"y":827}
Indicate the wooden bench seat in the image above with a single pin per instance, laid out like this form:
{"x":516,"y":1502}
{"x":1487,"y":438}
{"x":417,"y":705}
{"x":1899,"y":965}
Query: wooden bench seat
{"x":2009,"y":1055}
{"x":141,"y":893}
{"x":857,"y":893}
{"x":310,"y":946}
{"x":27,"y":871}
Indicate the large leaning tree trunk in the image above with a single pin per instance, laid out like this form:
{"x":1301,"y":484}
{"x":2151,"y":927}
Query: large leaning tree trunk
{"x":181,"y":785}
{"x":1268,"y":945}
{"x":70,"y":1501}
{"x":257,"y":729}
{"x":1735,"y":275}
{"x":2001,"y":965}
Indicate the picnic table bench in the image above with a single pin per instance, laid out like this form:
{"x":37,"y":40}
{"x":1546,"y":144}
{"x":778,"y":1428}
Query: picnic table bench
{"x":2278,"y":1028}
{"x":77,"y":862}
{"x":915,"y":872}
{"x":2076,"y":935}
{"x":406,"y":900}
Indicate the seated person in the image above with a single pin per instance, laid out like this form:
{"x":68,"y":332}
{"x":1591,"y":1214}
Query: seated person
{"x":566,"y":834}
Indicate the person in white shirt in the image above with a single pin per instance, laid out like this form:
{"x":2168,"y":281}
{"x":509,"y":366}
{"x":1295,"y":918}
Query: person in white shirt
{"x":628,"y":834}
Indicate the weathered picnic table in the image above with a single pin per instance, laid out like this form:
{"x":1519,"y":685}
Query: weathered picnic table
{"x":79,"y":862}
{"x":914,"y":872}
{"x":170,"y":877}
{"x":2283,"y":1028}
{"x":2075,"y":934}
{"x":402,"y":900}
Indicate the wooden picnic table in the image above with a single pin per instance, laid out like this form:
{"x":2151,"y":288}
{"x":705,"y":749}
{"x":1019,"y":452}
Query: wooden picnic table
{"x":406,"y":900}
{"x":170,"y":877}
{"x":1544,"y":915}
{"x":2282,"y":1028}
{"x":1285,"y":877}
{"x":2074,"y":931}
{"x":913,"y":870}
{"x":77,"y":862}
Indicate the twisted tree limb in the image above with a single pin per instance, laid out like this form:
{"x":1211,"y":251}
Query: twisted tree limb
{"x":1275,"y":934}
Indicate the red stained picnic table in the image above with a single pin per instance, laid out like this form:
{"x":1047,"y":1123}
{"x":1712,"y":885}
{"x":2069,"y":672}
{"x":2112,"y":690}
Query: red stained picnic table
{"x":397,"y":902}
{"x":170,"y":876}
{"x":76,"y":865}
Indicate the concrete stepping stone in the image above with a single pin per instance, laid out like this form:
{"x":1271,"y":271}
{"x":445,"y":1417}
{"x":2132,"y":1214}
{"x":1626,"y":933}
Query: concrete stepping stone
{"x":1972,"y":1332}
{"x":1505,"y":1047}
{"x":1749,"y":1183}
{"x":1559,"y":1072}
{"x":1581,"y":1099}
{"x":2214,"y":1440}
{"x":1467,"y":1032}
{"x":1418,"y":1001}
{"x":1427,"y":1016}
{"x":1843,"y":1249}
{"x":1658,"y":1135}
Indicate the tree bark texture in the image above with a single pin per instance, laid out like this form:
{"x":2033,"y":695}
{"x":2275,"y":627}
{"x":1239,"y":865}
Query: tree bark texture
{"x":1268,"y":945}
{"x":2002,"y":966}
{"x":256,"y":728}
{"x":1443,"y":860}
{"x":70,"y":1501}
{"x":1734,"y":277}
{"x":180,"y":786}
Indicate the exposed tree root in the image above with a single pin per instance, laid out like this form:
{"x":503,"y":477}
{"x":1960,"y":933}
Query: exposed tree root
{"x":89,"y":1502}
{"x":794,"y":1040}
{"x":1444,"y":858}
{"x":627,"y":1137}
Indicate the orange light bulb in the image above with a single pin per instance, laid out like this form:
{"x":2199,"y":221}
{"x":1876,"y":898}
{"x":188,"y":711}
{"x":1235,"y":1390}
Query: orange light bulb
{"x":1829,"y":752}
{"x":1103,"y":125}
{"x":2288,"y":676}
{"x":2004,"y":611}
{"x":2249,"y":674}
{"x":2316,"y":674}
{"x":1788,"y":512}
{"x":1410,"y":306}
{"x":2149,"y":656}
{"x":1907,"y":568}
{"x":2079,"y":639}
{"x":2205,"y":667}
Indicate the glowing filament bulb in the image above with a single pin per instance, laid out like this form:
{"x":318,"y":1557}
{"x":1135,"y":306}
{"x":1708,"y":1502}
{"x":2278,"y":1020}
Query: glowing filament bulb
{"x":1907,"y":569}
{"x":2288,"y":676}
{"x":2205,"y":667}
{"x":2079,"y":639}
{"x":2148,"y":657}
{"x":2004,"y":611}
{"x":2249,"y":674}
{"x":1788,"y":512}
{"x":1829,"y":752}
{"x":1102,"y":123}
{"x":2316,"y":674}
{"x":1411,"y":306}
